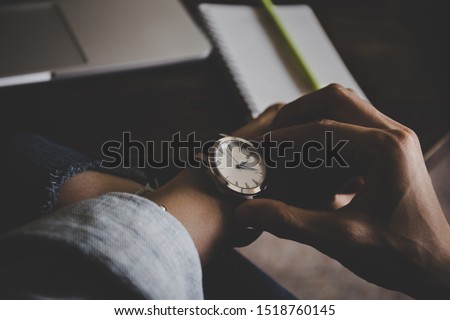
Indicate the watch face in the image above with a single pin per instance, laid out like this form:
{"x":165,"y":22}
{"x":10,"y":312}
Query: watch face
{"x":237,"y":165}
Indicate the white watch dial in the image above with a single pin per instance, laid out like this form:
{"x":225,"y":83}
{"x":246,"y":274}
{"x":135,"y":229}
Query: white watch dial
{"x":240,"y":166}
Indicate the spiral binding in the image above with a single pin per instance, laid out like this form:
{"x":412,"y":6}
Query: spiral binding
{"x":224,"y":56}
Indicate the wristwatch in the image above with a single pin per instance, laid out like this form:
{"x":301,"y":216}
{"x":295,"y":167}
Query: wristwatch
{"x":234,"y":165}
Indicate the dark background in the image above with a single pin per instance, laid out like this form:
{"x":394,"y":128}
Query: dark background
{"x":396,"y":50}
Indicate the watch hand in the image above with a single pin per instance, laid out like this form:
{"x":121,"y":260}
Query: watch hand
{"x":237,"y":163}
{"x":240,"y":166}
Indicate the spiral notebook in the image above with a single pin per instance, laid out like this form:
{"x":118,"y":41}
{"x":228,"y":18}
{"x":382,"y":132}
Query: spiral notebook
{"x":258,"y":60}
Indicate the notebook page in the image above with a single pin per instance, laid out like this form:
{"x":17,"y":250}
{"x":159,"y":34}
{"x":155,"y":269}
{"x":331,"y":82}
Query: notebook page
{"x":317,"y":50}
{"x":260,"y":62}
{"x":261,"y":76}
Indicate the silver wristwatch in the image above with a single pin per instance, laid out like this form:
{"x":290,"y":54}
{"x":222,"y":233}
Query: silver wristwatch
{"x":235,"y":166}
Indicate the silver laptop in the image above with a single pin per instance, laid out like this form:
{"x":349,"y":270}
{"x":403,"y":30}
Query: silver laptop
{"x":41,"y":41}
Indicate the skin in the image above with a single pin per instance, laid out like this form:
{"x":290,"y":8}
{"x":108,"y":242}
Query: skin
{"x":380,"y":217}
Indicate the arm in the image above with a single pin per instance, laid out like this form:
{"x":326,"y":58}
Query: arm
{"x":118,"y":245}
{"x":115,"y":246}
{"x":190,"y":197}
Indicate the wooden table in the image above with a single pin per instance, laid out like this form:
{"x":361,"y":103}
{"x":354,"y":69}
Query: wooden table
{"x":394,"y":48}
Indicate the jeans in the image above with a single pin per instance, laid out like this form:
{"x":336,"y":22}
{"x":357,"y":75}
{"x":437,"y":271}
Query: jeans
{"x":34,"y":170}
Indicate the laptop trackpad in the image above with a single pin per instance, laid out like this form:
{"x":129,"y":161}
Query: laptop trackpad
{"x":35,"y":38}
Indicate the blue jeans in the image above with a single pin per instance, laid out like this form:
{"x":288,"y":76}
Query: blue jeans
{"x":35,"y":168}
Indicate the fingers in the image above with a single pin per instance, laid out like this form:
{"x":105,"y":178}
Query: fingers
{"x":259,"y":125}
{"x":333,"y":102}
{"x":341,"y":153}
{"x":310,"y":227}
{"x":357,"y":151}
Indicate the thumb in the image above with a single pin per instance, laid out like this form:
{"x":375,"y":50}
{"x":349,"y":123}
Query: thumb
{"x":306,"y":226}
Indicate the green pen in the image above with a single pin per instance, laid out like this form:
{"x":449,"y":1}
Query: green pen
{"x":270,"y":9}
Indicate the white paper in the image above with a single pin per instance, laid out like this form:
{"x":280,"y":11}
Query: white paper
{"x":260,"y":62}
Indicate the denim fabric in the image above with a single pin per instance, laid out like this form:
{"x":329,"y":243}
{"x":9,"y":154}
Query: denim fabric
{"x":145,"y":249}
{"x":35,"y":168}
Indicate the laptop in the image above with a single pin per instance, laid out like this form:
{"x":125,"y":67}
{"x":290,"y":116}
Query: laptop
{"x":47,"y":40}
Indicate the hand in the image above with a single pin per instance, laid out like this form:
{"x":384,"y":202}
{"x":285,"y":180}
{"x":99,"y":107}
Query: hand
{"x":393,"y":232}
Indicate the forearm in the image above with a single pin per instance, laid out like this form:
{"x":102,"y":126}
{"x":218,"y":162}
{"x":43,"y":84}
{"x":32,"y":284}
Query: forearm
{"x":204,"y":212}
{"x":190,"y":197}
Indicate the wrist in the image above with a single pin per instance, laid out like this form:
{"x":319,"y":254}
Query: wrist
{"x":204,"y":212}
